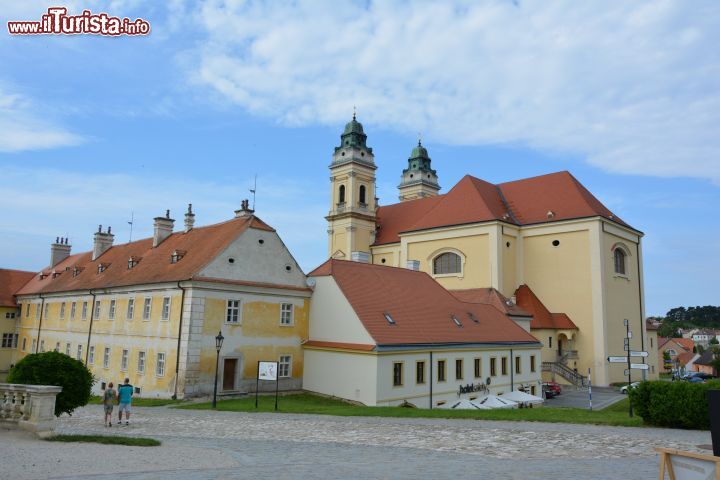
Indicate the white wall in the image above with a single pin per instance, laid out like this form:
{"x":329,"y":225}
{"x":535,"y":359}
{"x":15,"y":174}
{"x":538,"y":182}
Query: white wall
{"x":332,"y":319}
{"x":344,"y":375}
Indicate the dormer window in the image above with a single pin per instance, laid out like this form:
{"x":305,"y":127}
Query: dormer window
{"x":102,"y":267}
{"x":76,"y":271}
{"x":55,"y":274}
{"x":132,"y":261}
{"x":389,"y":319}
{"x":456,"y":321}
{"x":177,"y":255}
{"x":43,"y":275}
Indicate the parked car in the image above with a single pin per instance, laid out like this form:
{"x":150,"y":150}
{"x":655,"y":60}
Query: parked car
{"x":548,"y":392}
{"x":696,"y":379}
{"x":624,"y":389}
{"x":554,"y":387}
{"x":701,"y":375}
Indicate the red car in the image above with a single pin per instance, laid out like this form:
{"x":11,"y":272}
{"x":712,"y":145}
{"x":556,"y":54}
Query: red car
{"x":554,"y":387}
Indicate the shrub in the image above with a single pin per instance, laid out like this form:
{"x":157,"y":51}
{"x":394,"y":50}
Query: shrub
{"x":673,"y":404}
{"x":55,"y":368}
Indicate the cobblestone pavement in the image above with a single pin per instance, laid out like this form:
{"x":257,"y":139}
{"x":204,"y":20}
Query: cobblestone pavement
{"x":206,"y":444}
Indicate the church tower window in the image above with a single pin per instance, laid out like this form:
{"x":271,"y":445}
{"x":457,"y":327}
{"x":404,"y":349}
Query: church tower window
{"x":341,"y":194}
{"x":619,"y":256}
{"x":362,"y":195}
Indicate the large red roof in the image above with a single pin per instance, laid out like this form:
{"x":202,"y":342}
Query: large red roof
{"x":10,"y":282}
{"x":200,"y":245}
{"x":420,"y":307}
{"x":542,"y":318}
{"x":471,"y":200}
{"x":490,"y":296}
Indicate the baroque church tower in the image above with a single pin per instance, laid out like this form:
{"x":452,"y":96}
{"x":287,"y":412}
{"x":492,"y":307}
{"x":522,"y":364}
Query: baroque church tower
{"x":418,"y":180}
{"x":351,"y":228}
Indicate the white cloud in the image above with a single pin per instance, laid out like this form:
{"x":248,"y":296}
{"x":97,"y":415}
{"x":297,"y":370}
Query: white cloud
{"x":45,"y":203}
{"x":22,"y":126}
{"x":633,"y":86}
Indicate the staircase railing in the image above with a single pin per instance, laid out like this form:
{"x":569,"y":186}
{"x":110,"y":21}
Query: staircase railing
{"x":565,"y":372}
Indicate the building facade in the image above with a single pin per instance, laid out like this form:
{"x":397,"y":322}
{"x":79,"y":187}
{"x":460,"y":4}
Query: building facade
{"x":548,"y":233}
{"x":10,"y":282}
{"x":150,"y":310}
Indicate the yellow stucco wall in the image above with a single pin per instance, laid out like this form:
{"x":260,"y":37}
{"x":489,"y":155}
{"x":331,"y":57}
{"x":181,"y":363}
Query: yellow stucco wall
{"x":8,"y":325}
{"x":509,"y":265}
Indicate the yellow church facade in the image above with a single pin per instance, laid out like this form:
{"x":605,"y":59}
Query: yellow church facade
{"x":547,"y":233}
{"x":150,"y":310}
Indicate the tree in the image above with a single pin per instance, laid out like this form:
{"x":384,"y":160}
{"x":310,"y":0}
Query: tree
{"x":55,"y":368}
{"x":716,"y":360}
{"x":668,"y":330}
{"x":667,"y":361}
{"x":714,"y":341}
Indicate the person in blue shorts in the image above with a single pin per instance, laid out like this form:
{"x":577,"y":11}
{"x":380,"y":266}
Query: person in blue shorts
{"x":125,"y":392}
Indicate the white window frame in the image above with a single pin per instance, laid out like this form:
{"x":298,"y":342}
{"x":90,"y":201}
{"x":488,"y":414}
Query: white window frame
{"x":111,"y":310}
{"x":91,"y":355}
{"x":38,"y":307}
{"x":106,"y":357}
{"x":165,"y":312}
{"x":130,"y":312}
{"x":34,"y":346}
{"x":62,"y":311}
{"x":142,"y":358}
{"x":98,"y":309}
{"x":233,"y":305}
{"x":57,"y":346}
{"x":42,"y":346}
{"x":160,"y":364}
{"x":79,"y":352}
{"x":24,"y":344}
{"x":73,"y":309}
{"x":147,"y":309}
{"x":83,"y":314}
{"x":124,"y":358}
{"x":282,"y":365}
{"x":68,"y":347}
{"x":287,"y":317}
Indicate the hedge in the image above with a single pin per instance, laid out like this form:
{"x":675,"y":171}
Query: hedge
{"x":673,"y":404}
{"x":55,"y":368}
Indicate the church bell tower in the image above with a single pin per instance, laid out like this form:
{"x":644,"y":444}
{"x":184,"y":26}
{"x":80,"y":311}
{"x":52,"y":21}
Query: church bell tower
{"x":351,"y":221}
{"x":419,"y":180}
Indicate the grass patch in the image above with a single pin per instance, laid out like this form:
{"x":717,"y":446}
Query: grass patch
{"x":107,"y":440}
{"x":307,"y":403}
{"x":142,"y":402}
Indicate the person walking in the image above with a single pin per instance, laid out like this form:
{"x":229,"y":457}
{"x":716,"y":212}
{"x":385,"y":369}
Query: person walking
{"x":125,"y":392}
{"x":109,"y":397}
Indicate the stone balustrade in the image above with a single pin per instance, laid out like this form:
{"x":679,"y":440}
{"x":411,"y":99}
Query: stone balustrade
{"x":29,"y":407}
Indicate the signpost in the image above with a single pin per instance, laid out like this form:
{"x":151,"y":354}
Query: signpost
{"x":267,"y":371}
{"x":617,"y":359}
{"x":590,"y":388}
{"x":627,"y":359}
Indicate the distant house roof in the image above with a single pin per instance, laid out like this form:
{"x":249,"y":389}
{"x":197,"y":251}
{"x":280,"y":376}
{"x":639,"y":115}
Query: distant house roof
{"x":686,"y":357}
{"x":685,"y":343}
{"x":398,"y":306}
{"x":651,"y":324}
{"x":542,"y":317}
{"x":10,"y":282}
{"x":490,"y":296}
{"x":198,"y":246}
{"x":706,"y":358}
{"x":547,"y":198}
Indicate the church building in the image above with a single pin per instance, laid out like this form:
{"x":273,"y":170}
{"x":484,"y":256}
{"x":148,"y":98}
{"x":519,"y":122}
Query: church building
{"x":543,"y":245}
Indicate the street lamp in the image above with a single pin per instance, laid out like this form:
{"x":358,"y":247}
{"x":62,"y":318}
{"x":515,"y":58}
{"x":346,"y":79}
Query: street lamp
{"x":218,"y":345}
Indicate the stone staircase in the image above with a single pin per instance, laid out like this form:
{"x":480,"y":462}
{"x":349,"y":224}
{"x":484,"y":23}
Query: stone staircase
{"x":570,"y":375}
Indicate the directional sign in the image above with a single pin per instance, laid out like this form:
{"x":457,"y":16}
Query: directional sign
{"x":629,"y":334}
{"x":627,"y":372}
{"x":627,"y":341}
{"x":639,"y":366}
{"x":627,"y":347}
{"x":633,"y":353}
{"x":617,"y":359}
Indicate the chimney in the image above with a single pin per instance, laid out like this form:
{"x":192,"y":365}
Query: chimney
{"x":163,"y":228}
{"x":189,"y":218}
{"x":413,"y":265}
{"x":59,"y":251}
{"x":101,"y":242}
{"x":244,"y":209}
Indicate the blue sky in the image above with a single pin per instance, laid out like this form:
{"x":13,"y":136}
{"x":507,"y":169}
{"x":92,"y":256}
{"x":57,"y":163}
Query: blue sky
{"x":625,"y":96}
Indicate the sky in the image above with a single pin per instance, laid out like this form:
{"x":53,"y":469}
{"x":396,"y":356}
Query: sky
{"x":101,"y":130}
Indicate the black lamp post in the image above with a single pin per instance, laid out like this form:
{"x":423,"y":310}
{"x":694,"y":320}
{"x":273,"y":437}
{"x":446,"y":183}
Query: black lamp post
{"x":218,"y":345}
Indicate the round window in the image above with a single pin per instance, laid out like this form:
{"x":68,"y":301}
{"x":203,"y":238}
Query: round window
{"x":556,"y":243}
{"x":231,"y":260}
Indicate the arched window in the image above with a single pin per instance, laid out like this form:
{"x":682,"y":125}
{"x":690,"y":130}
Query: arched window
{"x":447,"y":262}
{"x":619,"y":261}
{"x":362,"y":195}
{"x":341,"y":196}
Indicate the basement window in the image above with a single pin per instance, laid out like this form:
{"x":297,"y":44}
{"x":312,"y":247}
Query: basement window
{"x":456,"y":321}
{"x":389,"y":318}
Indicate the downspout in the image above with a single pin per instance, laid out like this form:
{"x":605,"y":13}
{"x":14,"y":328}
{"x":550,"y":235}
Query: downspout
{"x":42,"y":313}
{"x":177,"y":354}
{"x":642,"y":321}
{"x":92,"y":315}
{"x":431,"y":379}
{"x":512,"y":371}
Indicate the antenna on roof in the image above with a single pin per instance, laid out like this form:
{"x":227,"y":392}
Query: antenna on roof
{"x":253,"y":191}
{"x":132,"y":220}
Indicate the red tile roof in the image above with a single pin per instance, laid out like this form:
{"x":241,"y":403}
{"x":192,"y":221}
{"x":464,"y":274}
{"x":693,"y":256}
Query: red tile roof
{"x":685,"y":358}
{"x":542,"y":318}
{"x":200,"y":244}
{"x":686,"y":343}
{"x":420,"y":307}
{"x":490,"y":296}
{"x":10,"y":282}
{"x":340,"y":345}
{"x":471,"y":200}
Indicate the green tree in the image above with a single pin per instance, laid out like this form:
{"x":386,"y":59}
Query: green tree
{"x":714,"y":341}
{"x":667,"y":361}
{"x":55,"y":368}
{"x":668,"y":330}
